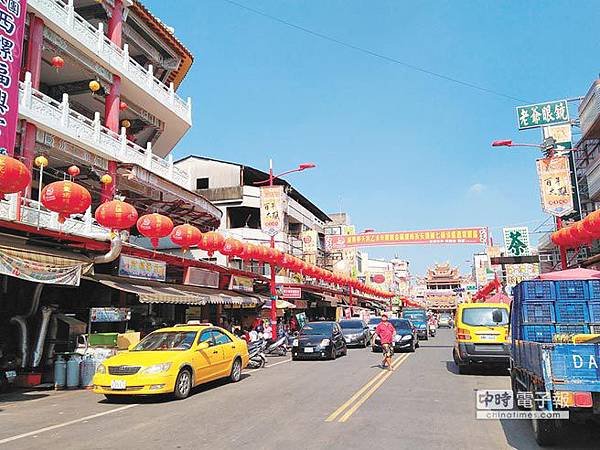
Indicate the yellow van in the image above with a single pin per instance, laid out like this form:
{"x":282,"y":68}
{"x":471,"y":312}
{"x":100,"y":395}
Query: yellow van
{"x":481,"y":336}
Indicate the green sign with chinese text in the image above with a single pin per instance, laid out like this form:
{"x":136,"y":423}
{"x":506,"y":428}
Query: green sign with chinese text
{"x":542,"y":114}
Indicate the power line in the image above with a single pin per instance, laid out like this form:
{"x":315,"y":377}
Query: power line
{"x":373,"y":53}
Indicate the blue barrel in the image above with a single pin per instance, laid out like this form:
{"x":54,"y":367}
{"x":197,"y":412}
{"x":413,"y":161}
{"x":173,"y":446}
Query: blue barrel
{"x":87,"y":370}
{"x":73,"y":372}
{"x":60,"y":372}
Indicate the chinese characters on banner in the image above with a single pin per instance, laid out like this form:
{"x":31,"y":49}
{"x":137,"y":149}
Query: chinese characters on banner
{"x":12,"y":26}
{"x":272,"y":209}
{"x":515,"y":273}
{"x":555,"y":185}
{"x":475,"y":235}
{"x":516,"y":241}
{"x":542,"y":114}
{"x":309,"y":246}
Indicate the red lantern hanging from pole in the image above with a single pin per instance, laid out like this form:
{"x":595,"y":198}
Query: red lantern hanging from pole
{"x":230,"y":247}
{"x":154,"y":226}
{"x":116,"y":215}
{"x":14,"y":176}
{"x":66,"y":198}
{"x":185,"y":236}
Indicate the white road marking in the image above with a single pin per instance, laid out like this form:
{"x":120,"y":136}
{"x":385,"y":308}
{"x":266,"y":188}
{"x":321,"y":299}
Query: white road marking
{"x":64,"y":424}
{"x":280,"y":362}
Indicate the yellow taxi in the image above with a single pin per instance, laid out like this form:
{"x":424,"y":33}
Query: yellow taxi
{"x":172,"y":360}
{"x":481,"y":336}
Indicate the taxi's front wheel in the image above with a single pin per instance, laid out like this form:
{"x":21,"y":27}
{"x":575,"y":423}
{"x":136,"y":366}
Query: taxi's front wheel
{"x":183,"y":384}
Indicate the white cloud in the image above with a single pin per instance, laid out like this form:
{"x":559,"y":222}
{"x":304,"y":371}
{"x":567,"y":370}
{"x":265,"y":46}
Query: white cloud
{"x":477,"y":188}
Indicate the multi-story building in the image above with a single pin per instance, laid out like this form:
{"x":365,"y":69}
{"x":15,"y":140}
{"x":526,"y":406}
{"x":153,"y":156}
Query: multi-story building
{"x":235,"y":189}
{"x":442,"y":285}
{"x":98,"y":90}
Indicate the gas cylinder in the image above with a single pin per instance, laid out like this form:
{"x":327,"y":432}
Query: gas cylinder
{"x":73,"y":372}
{"x":60,"y":372}
{"x":87,"y":369}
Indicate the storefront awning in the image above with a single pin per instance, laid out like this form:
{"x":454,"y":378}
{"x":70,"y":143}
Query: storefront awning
{"x":21,"y":259}
{"x":156,"y":292}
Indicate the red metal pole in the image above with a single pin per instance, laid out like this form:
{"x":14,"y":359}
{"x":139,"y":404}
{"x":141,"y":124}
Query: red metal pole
{"x":273,"y":288}
{"x":563,"y":250}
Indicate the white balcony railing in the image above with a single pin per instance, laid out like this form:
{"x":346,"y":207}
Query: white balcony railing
{"x":33,"y":214}
{"x":58,"y":118}
{"x":63,"y":15}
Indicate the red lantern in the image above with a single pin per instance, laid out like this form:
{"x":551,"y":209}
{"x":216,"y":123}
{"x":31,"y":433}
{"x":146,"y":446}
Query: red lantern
{"x":213,"y":242}
{"x":591,"y":223}
{"x":154,"y":226}
{"x":73,"y":171}
{"x":57,"y":62}
{"x":185,"y":236}
{"x":66,"y":198}
{"x":123,"y":106}
{"x":584,"y":235}
{"x":116,"y":215}
{"x":231,"y":247}
{"x":14,"y":176}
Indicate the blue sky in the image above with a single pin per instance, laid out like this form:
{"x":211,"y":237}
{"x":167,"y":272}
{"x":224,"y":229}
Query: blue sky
{"x":395,"y":148}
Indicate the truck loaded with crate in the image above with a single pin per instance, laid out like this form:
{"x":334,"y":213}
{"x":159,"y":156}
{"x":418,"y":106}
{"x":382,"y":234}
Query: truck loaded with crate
{"x":555,"y":350}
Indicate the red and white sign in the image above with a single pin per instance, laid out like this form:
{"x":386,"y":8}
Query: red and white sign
{"x":291,"y":292}
{"x":12,"y":26}
{"x":472,"y":235}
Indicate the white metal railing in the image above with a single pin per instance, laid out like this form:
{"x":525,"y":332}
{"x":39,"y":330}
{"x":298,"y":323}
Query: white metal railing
{"x":82,"y":131}
{"x":34,"y":214}
{"x":63,"y":15}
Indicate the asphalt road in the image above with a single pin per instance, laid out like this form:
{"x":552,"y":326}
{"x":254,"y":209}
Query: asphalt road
{"x":348,"y":403}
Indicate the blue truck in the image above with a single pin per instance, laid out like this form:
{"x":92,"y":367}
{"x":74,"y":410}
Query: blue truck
{"x":550,"y":376}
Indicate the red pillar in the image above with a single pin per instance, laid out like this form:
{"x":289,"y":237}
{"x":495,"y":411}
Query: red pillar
{"x":115,"y":23}
{"x":113,"y":99}
{"x":33,"y":64}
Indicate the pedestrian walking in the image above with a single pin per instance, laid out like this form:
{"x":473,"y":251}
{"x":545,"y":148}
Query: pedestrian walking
{"x":386,"y":331}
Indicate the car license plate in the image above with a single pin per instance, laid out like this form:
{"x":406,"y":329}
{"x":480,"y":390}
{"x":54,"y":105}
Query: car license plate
{"x":11,"y":374}
{"x":118,"y":385}
{"x":488,"y":336}
{"x":308,"y":350}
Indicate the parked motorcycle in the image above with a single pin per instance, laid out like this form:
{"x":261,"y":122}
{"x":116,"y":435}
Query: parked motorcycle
{"x":256,"y":352}
{"x":279,"y":347}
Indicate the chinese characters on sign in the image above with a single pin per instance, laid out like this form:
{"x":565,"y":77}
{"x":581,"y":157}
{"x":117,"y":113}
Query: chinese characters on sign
{"x":500,"y":404}
{"x":109,"y":314}
{"x":562,"y":135}
{"x":541,"y":114}
{"x":12,"y":26}
{"x":272,"y":209}
{"x":142,"y":268}
{"x":516,"y":241}
{"x":555,"y":185}
{"x":475,"y":235}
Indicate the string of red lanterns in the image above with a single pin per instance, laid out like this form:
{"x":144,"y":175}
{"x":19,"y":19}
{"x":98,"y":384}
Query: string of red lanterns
{"x":578,"y":233}
{"x":66,"y":198}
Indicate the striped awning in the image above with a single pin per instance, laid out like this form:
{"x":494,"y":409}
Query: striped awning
{"x":22,"y":259}
{"x":156,"y":292}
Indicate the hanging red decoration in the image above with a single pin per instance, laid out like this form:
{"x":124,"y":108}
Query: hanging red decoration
{"x":584,"y":235}
{"x":57,"y":62}
{"x":66,"y":198}
{"x":123,"y":106}
{"x":231,"y":247}
{"x":185,"y":236}
{"x":73,"y":171}
{"x":591,"y":223}
{"x":154,"y":226}
{"x":213,"y":242}
{"x":14,"y":176}
{"x":116,"y":215}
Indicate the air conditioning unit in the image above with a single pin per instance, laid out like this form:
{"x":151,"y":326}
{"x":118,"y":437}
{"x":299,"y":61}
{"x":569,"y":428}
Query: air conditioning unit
{"x":589,"y":112}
